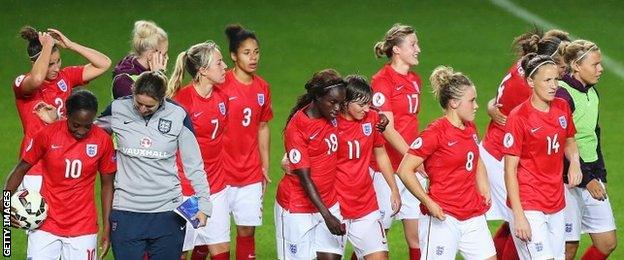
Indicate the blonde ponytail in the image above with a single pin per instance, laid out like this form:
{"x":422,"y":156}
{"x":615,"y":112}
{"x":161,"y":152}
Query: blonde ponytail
{"x":175,"y":81}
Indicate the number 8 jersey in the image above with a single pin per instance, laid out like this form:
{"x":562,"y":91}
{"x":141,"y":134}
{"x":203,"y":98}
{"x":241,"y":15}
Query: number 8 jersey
{"x":539,"y":138}
{"x":451,"y":157}
{"x":68,"y":181}
{"x":310,"y":143}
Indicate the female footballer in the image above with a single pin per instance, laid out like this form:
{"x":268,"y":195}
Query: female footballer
{"x":208,"y":110}
{"x":72,"y":151}
{"x":397,"y":95}
{"x":307,"y":213}
{"x":459,"y":194}
{"x":539,"y":132}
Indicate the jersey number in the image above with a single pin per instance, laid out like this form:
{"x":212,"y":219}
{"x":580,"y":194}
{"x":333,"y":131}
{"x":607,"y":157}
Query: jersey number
{"x":412,"y":101}
{"x":246,"y":116}
{"x":73,"y":168}
{"x":354,"y":149}
{"x":216,"y":123}
{"x":553,"y":144}
{"x":59,"y":107}
{"x":470,"y":161}
{"x":332,"y":143}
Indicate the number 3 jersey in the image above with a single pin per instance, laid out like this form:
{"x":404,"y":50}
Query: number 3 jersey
{"x":310,"y":143}
{"x":539,"y":138}
{"x":451,"y":158}
{"x":71,"y":167}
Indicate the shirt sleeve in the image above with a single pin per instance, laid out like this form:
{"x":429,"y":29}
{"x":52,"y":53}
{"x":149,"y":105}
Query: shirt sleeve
{"x":105,"y":118}
{"x":36,"y":149}
{"x":267,"y":108}
{"x":382,"y":92}
{"x":571,"y":129}
{"x":17,"y":87}
{"x":297,"y":148}
{"x":427,"y":143}
{"x":193,"y":163}
{"x":514,"y":136}
{"x":108,"y":161}
{"x":74,"y":75}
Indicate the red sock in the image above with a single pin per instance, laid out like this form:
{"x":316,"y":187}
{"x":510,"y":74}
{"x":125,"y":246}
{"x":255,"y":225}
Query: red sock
{"x":200,"y":253}
{"x":414,"y":253}
{"x":353,"y":256}
{"x":500,"y":239}
{"x":593,"y":253}
{"x":145,"y":256}
{"x":222,"y":256}
{"x":509,"y":251}
{"x":245,"y":248}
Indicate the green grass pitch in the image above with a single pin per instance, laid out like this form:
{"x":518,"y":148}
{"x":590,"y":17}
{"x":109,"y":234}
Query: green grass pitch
{"x":299,"y":38}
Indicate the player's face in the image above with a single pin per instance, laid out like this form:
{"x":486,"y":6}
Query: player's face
{"x":329,"y":105}
{"x":247,"y":56}
{"x":215,"y":72}
{"x":545,"y":82}
{"x":408,"y":50}
{"x":79,"y":123}
{"x":590,"y":68}
{"x":467,"y":105}
{"x":358,"y":109}
{"x":145,"y":104}
{"x":54,"y":66}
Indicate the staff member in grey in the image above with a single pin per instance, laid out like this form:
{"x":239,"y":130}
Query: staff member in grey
{"x":150,"y":130}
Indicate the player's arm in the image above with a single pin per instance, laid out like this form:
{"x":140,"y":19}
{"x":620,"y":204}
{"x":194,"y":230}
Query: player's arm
{"x":572,"y":154}
{"x":16,"y":176}
{"x":39,"y":69}
{"x":522,"y":228}
{"x":106,"y":195}
{"x":98,"y":62}
{"x":495,"y":113}
{"x":483,"y":184}
{"x":264,"y":138}
{"x":392,"y":135}
{"x":408,"y":166}
{"x":386,"y":170}
{"x":334,"y":225}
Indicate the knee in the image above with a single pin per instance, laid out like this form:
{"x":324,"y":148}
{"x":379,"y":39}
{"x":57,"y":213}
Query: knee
{"x":245,"y":231}
{"x":607,"y":245}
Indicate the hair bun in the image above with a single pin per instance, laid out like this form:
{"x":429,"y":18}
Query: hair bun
{"x":29,"y":33}
{"x":232,"y":30}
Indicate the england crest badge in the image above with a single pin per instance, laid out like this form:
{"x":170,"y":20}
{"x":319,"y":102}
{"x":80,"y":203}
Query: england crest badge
{"x":367,"y":129}
{"x":260,"y":99}
{"x":92,"y":150}
{"x":563,"y":122}
{"x":222,"y":108}
{"x":62,"y":85}
{"x":164,"y":125}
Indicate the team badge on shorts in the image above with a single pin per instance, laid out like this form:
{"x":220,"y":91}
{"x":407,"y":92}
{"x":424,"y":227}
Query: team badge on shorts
{"x":539,"y":246}
{"x":568,"y":227}
{"x":367,"y":128}
{"x":292,"y":248}
{"x":91,"y":150}
{"x":62,"y":85}
{"x":222,"y":108}
{"x":260,"y":99}
{"x":563,"y":122}
{"x":439,"y":250}
{"x":164,"y":125}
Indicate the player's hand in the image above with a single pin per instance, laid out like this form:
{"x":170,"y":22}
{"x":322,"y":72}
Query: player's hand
{"x":487,"y":198}
{"x":596,"y":190}
{"x":60,"y":38}
{"x":203,"y":219}
{"x":46,"y":112}
{"x":46,"y":40}
{"x":334,"y":225}
{"x":435,"y":210}
{"x":395,"y":202}
{"x":383,"y":122}
{"x":105,"y":242}
{"x":285,"y":165}
{"x":522,"y":229}
{"x":574,"y":176}
{"x":157,"y":61}
{"x":496,"y":115}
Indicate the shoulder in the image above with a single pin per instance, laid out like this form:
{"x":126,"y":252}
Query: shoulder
{"x":261,"y":81}
{"x":382,"y":75}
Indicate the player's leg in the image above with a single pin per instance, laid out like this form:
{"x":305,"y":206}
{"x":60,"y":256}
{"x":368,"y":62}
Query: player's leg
{"x":128,"y":238}
{"x":214,"y":238}
{"x":556,"y":234}
{"x":294,"y":234}
{"x":382,"y":192}
{"x":438,"y":239}
{"x":166,"y":235}
{"x":326,"y":245}
{"x":81,"y":247}
{"x":409,"y":214}
{"x":246,"y":207}
{"x":539,"y":247}
{"x":572,"y":218}
{"x":597,"y":220}
{"x":476,"y":241}
{"x":189,"y":238}
{"x":43,"y":245}
{"x":368,"y":237}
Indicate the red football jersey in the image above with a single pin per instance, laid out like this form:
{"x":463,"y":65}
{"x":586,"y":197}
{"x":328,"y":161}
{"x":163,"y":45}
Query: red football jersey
{"x":399,"y":94}
{"x":53,"y":92}
{"x":310,"y":143}
{"x":209,"y":118}
{"x":512,"y":91}
{"x":249,"y":105}
{"x":451,"y":157}
{"x":68,"y":182}
{"x":356,"y":140}
{"x":539,"y":138}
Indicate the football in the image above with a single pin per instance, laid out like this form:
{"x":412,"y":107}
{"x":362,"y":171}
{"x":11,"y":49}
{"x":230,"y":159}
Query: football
{"x":29,"y":208}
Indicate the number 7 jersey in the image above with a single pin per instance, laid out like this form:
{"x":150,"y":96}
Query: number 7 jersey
{"x":539,"y":138}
